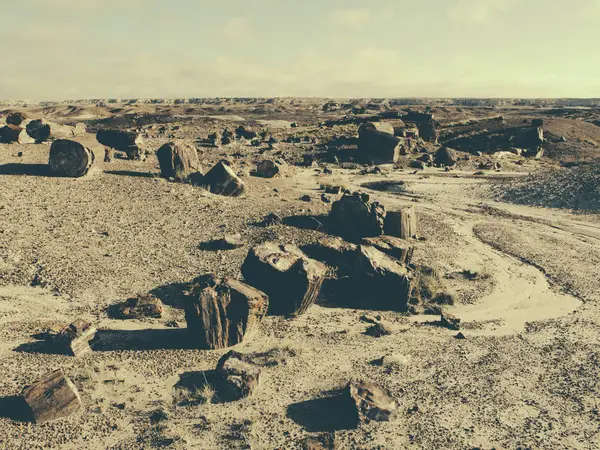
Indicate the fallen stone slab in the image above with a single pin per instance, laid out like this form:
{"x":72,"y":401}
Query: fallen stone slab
{"x":402,"y":223}
{"x":70,"y":158}
{"x":52,"y":397}
{"x":395,"y":247}
{"x":74,"y":339}
{"x":240,"y":377}
{"x":371,"y":401}
{"x":178,"y":161}
{"x":333,"y":251}
{"x":221,"y":312}
{"x":354,"y":216}
{"x":222,"y":180}
{"x":143,"y":305}
{"x":290,"y":278}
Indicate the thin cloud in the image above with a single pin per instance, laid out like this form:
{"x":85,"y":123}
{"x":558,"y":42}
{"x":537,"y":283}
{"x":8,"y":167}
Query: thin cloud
{"x":237,"y":28}
{"x":351,"y":17}
{"x":477,"y":11}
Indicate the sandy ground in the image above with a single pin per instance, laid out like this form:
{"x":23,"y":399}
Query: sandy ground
{"x":526,"y":376}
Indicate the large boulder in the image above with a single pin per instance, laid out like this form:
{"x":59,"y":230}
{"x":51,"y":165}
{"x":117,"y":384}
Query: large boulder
{"x":15,"y":118}
{"x":222,"y":180}
{"x":354,"y":216}
{"x":178,"y":161}
{"x":290,"y":278}
{"x":378,"y":281}
{"x":10,"y":133}
{"x":239,"y":376}
{"x":70,"y":158}
{"x":267,"y":169}
{"x":125,"y":141}
{"x":38,"y":130}
{"x":378,"y":147}
{"x":446,"y":156}
{"x":221,"y":312}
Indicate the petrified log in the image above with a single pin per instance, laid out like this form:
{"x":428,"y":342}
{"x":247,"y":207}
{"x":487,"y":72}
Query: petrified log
{"x":379,"y":147}
{"x":227,"y":137}
{"x":10,"y":133}
{"x":243,"y":132}
{"x":239,"y":377}
{"x":70,"y":158}
{"x":371,"y":401}
{"x":38,"y":130}
{"x":15,"y":118}
{"x":267,"y":169}
{"x":178,"y":161}
{"x":53,"y":397}
{"x":378,"y":281}
{"x":450,"y":321}
{"x":124,"y":141}
{"x":290,"y":278}
{"x":446,"y":156}
{"x":222,"y":312}
{"x":221,"y":180}
{"x":332,"y":251}
{"x":355,"y":217}
{"x":74,"y":339}
{"x":144,"y":305}
{"x":392,"y":246}
{"x":384,"y":127}
{"x":402,"y":224}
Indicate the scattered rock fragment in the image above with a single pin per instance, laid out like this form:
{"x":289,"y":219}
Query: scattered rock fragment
{"x":70,"y":158}
{"x":286,"y":274}
{"x":178,"y":161}
{"x":227,"y":242}
{"x":267,"y":169}
{"x":74,"y":339}
{"x":108,"y":155}
{"x":325,"y":441}
{"x":371,"y":401}
{"x":52,"y":397}
{"x":240,"y":376}
{"x":379,"y":329}
{"x":450,"y":321}
{"x":222,"y":180}
{"x":272,"y":219}
{"x":354,"y":216}
{"x":222,"y":312}
{"x":143,"y":305}
{"x":306,"y":198}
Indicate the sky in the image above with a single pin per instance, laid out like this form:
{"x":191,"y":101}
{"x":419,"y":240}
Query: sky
{"x":77,"y":49}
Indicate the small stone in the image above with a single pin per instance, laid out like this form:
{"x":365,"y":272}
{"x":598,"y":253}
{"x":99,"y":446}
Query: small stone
{"x":372,"y":402}
{"x":74,"y":339}
{"x":460,"y":336}
{"x":239,"y":376}
{"x":379,"y":330}
{"x":144,"y":305}
{"x":325,"y":198}
{"x":306,"y":198}
{"x":450,"y":321}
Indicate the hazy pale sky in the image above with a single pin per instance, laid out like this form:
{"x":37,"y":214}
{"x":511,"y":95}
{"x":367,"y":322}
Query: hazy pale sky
{"x":73,"y":49}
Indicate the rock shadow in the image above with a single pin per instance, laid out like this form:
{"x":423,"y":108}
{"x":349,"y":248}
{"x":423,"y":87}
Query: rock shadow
{"x":37,"y":170}
{"x":131,"y":173}
{"x":15,"y":408}
{"x":308,"y":222}
{"x":135,"y":340}
{"x":171,"y":294}
{"x":199,"y":387}
{"x":333,"y":412}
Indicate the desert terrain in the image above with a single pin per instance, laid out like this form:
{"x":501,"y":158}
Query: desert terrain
{"x":511,"y":235}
